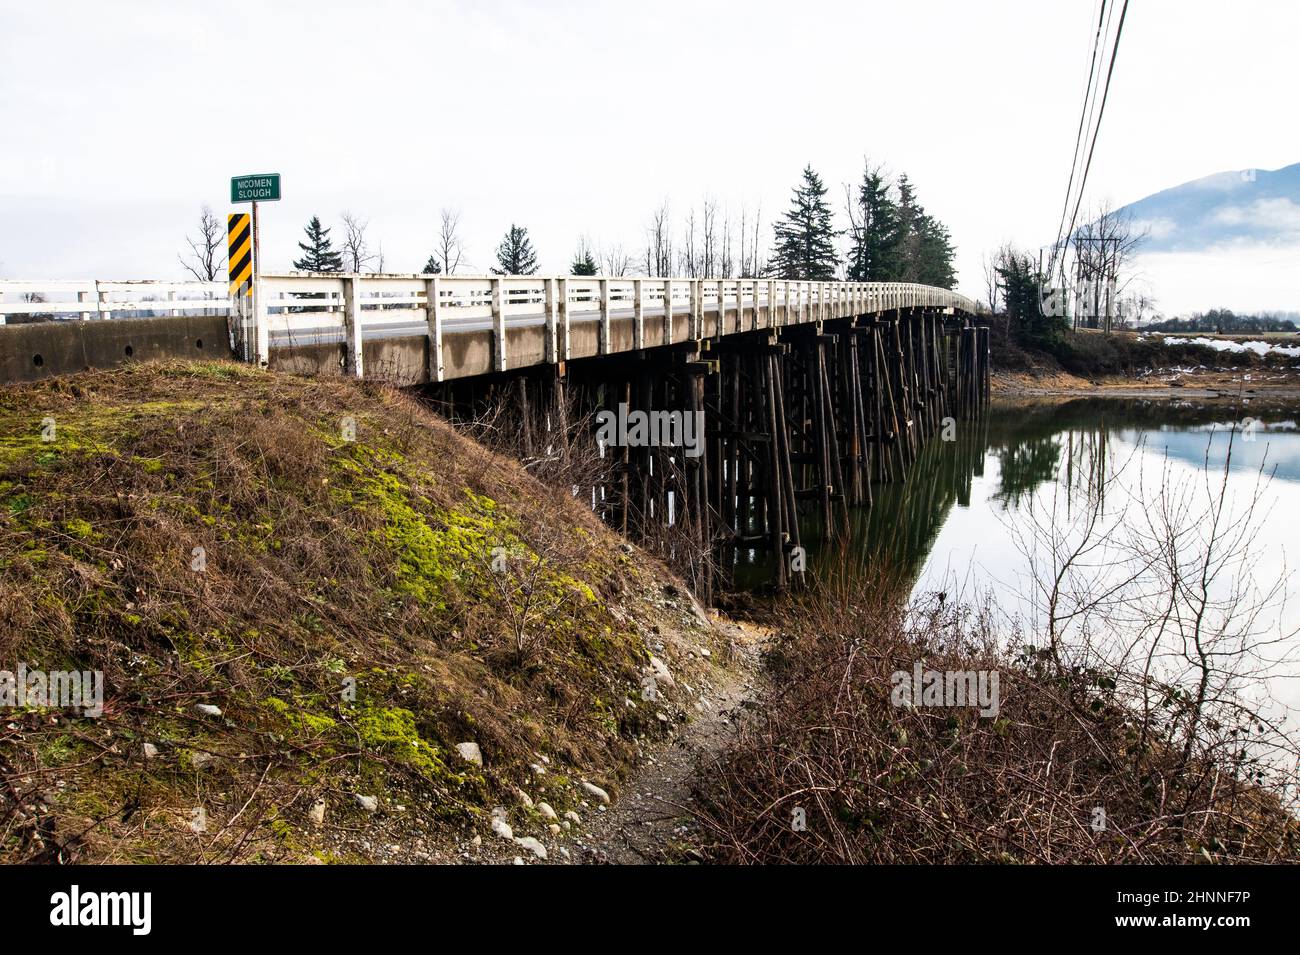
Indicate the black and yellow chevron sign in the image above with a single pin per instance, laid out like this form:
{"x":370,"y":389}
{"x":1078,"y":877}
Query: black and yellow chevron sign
{"x":239,"y":252}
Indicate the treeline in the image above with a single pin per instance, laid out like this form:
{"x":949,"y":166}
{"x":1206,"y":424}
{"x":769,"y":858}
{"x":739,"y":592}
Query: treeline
{"x":514,"y":256}
{"x":1031,"y":325}
{"x":893,"y":238}
{"x":889,"y":237}
{"x":1223,"y":321}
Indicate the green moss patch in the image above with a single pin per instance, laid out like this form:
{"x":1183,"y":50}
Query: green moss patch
{"x":207,"y":534}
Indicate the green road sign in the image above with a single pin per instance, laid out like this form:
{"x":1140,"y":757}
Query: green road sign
{"x":265,"y":188}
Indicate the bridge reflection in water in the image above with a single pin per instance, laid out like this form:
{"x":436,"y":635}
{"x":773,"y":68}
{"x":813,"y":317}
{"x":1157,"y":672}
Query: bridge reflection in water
{"x":995,"y":465}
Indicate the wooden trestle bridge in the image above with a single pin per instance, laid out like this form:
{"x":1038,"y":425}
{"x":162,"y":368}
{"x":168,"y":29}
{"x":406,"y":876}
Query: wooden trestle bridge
{"x":809,"y":391}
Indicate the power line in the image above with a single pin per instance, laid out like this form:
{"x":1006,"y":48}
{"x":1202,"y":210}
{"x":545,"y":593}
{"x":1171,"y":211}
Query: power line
{"x":1105,"y":93}
{"x":1092,"y":107}
{"x":1078,"y":136}
{"x":1092,"y":132}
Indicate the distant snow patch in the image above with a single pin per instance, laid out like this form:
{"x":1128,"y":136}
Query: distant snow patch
{"x":1219,"y":344}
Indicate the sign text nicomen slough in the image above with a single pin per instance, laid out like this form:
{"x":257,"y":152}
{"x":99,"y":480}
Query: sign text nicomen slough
{"x":260,"y":188}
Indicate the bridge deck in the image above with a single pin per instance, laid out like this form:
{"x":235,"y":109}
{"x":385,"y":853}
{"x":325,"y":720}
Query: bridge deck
{"x":416,"y":328}
{"x":476,"y":325}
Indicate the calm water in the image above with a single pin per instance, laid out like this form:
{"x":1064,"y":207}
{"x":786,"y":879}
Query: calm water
{"x":950,"y":521}
{"x":977,"y":517}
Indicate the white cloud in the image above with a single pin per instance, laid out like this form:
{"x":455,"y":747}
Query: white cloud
{"x":1159,"y":228}
{"x":1242,"y":276}
{"x":579,"y":116}
{"x":1277,"y":215}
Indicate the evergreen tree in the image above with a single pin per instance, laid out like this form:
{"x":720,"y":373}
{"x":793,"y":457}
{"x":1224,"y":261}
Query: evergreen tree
{"x":318,"y":250}
{"x":905,"y":252}
{"x":515,"y":255}
{"x":874,"y":228}
{"x":1024,"y":298}
{"x":432,"y":267}
{"x":919,"y":247}
{"x":583,"y":263}
{"x":804,"y":246}
{"x":935,"y":253}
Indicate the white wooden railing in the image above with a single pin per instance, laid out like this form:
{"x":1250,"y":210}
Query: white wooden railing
{"x":94,"y":300}
{"x":304,"y":309}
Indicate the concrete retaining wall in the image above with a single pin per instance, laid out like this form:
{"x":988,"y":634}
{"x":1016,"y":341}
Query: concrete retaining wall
{"x":43,"y":349}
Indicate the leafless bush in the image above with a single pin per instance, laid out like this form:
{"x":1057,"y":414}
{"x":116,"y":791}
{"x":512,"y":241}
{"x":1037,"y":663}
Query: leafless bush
{"x":1158,"y":583}
{"x":531,"y":595}
{"x":1125,"y":732}
{"x":554,"y":439}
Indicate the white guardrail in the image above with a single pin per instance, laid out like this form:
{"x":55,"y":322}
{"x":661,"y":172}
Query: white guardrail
{"x":299,"y":309}
{"x":91,"y":299}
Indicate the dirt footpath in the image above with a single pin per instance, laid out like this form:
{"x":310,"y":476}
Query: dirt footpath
{"x":654,"y":822}
{"x":1207,"y":384}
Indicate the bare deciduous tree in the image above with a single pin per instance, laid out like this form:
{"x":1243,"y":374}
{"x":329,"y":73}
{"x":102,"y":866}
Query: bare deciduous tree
{"x":751,"y":264}
{"x":709,"y":220}
{"x":702,"y":251}
{"x":726,"y":265}
{"x":1104,"y":248}
{"x":449,"y":249}
{"x":614,"y":261}
{"x":687,"y":255}
{"x":990,"y":263}
{"x":207,"y":252}
{"x":1161,"y":586}
{"x":659,"y":247}
{"x":356,"y":250}
{"x":989,"y":271}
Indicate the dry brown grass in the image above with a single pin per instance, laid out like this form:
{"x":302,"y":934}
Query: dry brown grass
{"x":326,"y":559}
{"x":880,"y":783}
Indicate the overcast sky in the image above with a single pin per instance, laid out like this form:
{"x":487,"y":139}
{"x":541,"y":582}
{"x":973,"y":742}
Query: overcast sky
{"x":120,"y":120}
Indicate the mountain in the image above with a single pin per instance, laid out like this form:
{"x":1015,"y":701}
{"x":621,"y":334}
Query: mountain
{"x":1242,"y":207}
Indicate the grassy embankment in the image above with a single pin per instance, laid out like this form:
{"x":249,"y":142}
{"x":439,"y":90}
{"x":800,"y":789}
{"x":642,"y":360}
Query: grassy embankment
{"x":1124,"y":359}
{"x":359,"y":607}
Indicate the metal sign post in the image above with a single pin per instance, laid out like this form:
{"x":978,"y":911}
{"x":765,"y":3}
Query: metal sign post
{"x":239,"y":265}
{"x":263,"y":187}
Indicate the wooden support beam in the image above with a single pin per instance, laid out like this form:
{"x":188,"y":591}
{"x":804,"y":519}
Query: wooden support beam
{"x":697,"y":310}
{"x":433,"y":317}
{"x":668,"y":313}
{"x":563,"y":304}
{"x":552,"y":319}
{"x":499,"y":324}
{"x":638,"y":314}
{"x":354,"y":363}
